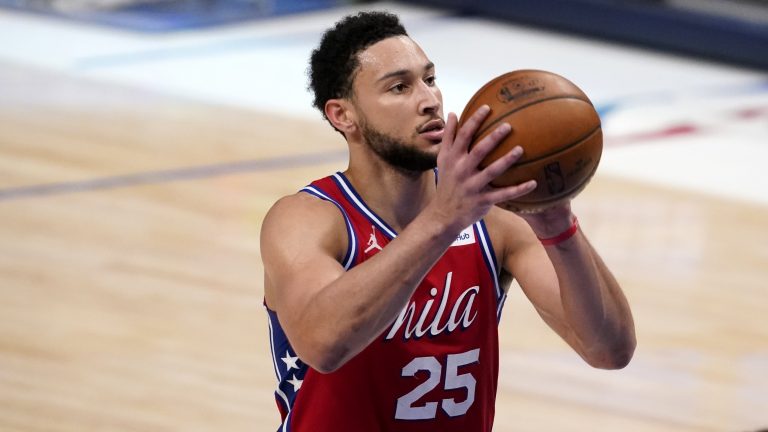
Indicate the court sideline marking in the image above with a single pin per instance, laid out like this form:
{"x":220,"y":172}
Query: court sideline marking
{"x":171,"y":175}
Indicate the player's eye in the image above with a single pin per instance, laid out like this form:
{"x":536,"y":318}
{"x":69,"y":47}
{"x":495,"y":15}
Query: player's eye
{"x":398,"y":88}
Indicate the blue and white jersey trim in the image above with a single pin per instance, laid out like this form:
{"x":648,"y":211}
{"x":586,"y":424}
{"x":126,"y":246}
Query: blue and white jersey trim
{"x":490,"y":261}
{"x":289,"y":368}
{"x":348,"y":191}
{"x":352,"y":247}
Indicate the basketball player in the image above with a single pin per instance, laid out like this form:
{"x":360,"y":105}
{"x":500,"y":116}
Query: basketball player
{"x":384,"y":284}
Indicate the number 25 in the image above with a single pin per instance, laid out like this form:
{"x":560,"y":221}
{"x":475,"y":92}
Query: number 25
{"x":453,"y":380}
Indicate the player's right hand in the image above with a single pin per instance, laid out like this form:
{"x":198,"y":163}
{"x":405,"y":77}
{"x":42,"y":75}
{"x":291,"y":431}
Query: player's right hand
{"x":464,"y":194}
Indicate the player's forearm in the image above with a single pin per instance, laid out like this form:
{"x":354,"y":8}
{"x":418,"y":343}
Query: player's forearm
{"x":367,"y":298}
{"x":595,"y":308}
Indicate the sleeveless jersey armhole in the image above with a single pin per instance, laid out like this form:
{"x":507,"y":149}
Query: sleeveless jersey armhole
{"x":352,"y":246}
{"x":489,"y":256}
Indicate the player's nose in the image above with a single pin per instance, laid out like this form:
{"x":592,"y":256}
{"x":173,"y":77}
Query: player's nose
{"x":430,"y":99}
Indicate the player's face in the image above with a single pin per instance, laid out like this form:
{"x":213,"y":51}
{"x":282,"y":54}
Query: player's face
{"x":400,"y":108}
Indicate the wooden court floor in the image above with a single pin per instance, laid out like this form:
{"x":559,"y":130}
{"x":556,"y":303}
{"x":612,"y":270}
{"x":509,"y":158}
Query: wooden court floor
{"x":131,"y":281}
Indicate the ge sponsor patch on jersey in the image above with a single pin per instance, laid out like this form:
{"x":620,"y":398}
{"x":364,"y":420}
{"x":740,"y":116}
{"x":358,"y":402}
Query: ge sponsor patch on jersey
{"x":466,"y":237}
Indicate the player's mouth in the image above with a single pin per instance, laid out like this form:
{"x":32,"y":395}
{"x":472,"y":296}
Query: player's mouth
{"x":433,"y":130}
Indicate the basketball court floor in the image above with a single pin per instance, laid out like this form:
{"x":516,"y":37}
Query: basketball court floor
{"x":135,"y":170}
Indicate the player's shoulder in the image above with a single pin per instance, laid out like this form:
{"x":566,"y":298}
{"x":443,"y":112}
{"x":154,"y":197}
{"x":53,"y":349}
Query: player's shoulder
{"x":298,"y":231}
{"x":301,"y":209}
{"x":304,"y":222}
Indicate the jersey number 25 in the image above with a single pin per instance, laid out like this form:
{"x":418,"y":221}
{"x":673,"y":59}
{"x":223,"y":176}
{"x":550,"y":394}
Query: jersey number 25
{"x":453,"y":380}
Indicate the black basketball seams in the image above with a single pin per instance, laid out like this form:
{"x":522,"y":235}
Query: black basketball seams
{"x":503,"y":116}
{"x":562,"y":149}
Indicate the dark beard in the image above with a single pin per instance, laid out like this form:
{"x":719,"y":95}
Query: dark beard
{"x":397,"y":153}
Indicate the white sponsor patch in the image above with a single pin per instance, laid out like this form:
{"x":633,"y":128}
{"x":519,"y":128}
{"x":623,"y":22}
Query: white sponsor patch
{"x":465,"y":237}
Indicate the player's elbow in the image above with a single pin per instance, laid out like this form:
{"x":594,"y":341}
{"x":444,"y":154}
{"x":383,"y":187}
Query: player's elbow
{"x":322,"y":346}
{"x":617,"y":360}
{"x":614,"y":356}
{"x":326,"y":364}
{"x":326,"y":357}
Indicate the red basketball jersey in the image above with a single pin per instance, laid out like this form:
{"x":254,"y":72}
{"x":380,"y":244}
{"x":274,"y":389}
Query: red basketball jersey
{"x":435,"y":368}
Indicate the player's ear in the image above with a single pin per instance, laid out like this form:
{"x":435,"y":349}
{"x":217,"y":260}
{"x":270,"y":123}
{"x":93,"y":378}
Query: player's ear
{"x":341,"y":115}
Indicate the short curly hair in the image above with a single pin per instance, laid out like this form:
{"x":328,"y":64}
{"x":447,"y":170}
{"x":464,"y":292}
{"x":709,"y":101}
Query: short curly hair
{"x":333,"y":64}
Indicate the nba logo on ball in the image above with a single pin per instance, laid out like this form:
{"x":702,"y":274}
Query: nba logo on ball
{"x":554,"y":176}
{"x":515,"y":89}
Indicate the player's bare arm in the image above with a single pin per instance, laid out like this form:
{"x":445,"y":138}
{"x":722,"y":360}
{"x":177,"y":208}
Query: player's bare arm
{"x":330,"y":314}
{"x":568,"y":284}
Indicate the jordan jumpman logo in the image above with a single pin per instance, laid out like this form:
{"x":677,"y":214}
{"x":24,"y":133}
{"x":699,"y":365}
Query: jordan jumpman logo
{"x":372,"y":242}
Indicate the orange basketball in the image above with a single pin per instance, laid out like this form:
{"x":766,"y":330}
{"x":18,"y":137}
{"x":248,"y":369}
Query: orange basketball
{"x":556,"y":125}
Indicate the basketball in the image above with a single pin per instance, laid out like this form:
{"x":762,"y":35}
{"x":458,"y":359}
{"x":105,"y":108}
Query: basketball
{"x":556,"y":125}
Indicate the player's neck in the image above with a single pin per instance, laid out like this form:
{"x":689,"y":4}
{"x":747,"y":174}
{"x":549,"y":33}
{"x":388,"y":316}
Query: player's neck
{"x":396,"y":196}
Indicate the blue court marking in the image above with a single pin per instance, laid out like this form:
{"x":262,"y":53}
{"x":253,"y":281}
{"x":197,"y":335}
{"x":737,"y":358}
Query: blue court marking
{"x":172,"y":175}
{"x":299,"y":38}
{"x":194,"y":51}
{"x":175,"y":15}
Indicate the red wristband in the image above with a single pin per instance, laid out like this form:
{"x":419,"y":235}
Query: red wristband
{"x":563,"y":236}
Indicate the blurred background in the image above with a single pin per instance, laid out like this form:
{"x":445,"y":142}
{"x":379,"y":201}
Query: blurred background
{"x":142,"y":142}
